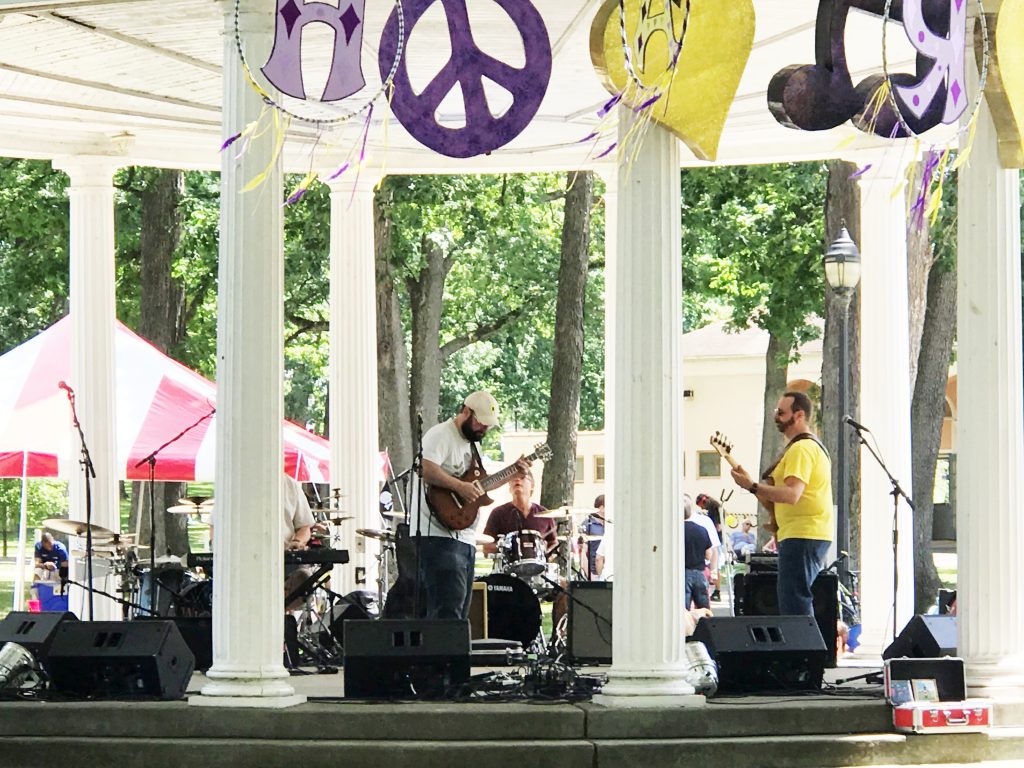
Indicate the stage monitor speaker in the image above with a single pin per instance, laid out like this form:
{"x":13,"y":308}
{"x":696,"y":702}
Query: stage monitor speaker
{"x":33,"y":631}
{"x":197,"y":632}
{"x":925,"y":637}
{"x":590,"y":622}
{"x":120,"y":660}
{"x":405,"y":658}
{"x":757,"y":595}
{"x":758,"y":653}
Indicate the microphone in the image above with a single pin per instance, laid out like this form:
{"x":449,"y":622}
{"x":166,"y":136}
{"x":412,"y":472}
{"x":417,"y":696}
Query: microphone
{"x":64,"y":385}
{"x":855,"y":425}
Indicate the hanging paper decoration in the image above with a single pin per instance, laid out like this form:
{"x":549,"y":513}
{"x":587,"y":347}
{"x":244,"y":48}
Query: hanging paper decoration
{"x":679,"y":65}
{"x":467,"y":68}
{"x":1005,"y":90}
{"x":284,"y":67}
{"x":819,"y":96}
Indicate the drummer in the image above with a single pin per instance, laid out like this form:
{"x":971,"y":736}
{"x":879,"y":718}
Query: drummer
{"x":520,"y":514}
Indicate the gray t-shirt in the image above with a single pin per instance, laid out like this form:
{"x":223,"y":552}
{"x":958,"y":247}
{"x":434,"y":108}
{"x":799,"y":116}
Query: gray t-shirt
{"x":446,"y":446}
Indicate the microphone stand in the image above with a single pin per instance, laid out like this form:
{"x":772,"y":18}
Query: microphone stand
{"x":896,"y":492}
{"x":417,"y":466}
{"x":151,"y":460}
{"x":90,"y":474}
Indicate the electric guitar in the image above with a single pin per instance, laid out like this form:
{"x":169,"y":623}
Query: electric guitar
{"x":457,"y":514}
{"x":723,"y":446}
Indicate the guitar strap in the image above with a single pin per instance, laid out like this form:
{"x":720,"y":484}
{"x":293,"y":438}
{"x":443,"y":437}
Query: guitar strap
{"x":766,"y":475}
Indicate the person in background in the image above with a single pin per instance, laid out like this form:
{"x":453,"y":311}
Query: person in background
{"x":594,"y":525}
{"x":743,"y":541}
{"x":51,"y":562}
{"x":697,"y":548}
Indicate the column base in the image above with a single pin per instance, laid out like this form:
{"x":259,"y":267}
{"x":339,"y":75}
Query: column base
{"x":244,"y":686}
{"x":1001,"y":681}
{"x":648,"y":687}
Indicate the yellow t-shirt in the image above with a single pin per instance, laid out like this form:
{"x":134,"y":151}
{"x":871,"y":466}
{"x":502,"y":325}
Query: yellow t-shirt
{"x":811,"y":516}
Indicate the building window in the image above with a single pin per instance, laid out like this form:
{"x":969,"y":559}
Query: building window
{"x":709,"y":464}
{"x":579,"y":469}
{"x":599,"y":469}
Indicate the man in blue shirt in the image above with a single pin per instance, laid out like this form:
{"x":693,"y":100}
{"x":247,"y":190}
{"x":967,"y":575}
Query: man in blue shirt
{"x":51,"y":560}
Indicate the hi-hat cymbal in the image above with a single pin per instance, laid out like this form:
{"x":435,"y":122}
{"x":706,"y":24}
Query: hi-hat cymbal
{"x":372,"y":533}
{"x":196,"y":500}
{"x":77,"y":528}
{"x":338,"y":519}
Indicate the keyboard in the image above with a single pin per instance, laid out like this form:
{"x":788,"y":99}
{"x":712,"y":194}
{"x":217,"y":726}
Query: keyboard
{"x":316,"y":556}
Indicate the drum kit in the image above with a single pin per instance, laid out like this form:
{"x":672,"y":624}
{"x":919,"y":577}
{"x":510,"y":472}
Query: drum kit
{"x":522,"y":576}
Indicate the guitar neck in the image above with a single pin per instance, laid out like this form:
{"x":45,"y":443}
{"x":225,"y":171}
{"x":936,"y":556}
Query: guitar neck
{"x":502,"y":476}
{"x":732,"y":462}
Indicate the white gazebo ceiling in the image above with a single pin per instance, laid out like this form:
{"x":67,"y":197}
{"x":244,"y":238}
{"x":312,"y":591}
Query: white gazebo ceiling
{"x":143,"y":80}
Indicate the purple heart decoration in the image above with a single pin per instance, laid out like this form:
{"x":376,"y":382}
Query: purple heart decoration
{"x":467,"y":67}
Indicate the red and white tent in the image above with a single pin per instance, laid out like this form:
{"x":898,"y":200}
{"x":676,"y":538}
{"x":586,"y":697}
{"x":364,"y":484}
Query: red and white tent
{"x":157,"y":398}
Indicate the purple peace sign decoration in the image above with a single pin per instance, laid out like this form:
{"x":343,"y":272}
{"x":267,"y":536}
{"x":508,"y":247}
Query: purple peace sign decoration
{"x":467,"y":67}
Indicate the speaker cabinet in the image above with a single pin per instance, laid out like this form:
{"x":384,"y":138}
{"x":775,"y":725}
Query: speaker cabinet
{"x":925,"y":637}
{"x":33,"y":631}
{"x":758,"y":653}
{"x":590,"y":622}
{"x":757,"y":595}
{"x":405,"y":658}
{"x":120,"y":659}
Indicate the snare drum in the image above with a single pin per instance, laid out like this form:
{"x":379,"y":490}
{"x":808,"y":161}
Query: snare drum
{"x":525,"y":554}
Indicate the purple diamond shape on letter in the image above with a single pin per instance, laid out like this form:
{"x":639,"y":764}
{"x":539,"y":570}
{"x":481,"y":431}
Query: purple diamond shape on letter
{"x":955,"y":91}
{"x":290,"y":13}
{"x":350,"y":20}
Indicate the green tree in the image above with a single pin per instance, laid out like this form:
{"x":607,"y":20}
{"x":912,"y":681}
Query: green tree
{"x":46,"y":498}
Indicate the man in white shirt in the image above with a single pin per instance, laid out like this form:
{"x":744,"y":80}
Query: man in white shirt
{"x":446,"y":556}
{"x":708,"y":525}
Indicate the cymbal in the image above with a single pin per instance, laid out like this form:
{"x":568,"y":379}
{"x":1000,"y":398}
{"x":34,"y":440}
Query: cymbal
{"x":167,"y":560}
{"x":338,"y":519}
{"x":105,"y":554}
{"x":483,"y":538}
{"x":189,"y":509}
{"x":373,"y":533}
{"x":77,"y":528}
{"x":394,"y":514}
{"x":554,"y":513}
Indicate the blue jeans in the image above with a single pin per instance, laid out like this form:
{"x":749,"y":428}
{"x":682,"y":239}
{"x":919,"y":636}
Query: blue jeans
{"x":800,"y":561}
{"x":446,"y":577}
{"x":696,"y":589}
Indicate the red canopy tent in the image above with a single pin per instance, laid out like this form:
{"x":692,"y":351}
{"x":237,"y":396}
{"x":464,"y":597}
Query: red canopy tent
{"x":157,"y":398}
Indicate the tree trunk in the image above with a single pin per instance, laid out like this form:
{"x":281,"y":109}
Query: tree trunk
{"x":927,"y":410}
{"x":426,"y":294}
{"x":564,"y":405}
{"x":392,"y":369}
{"x":161,"y":323}
{"x":919,"y":264}
{"x":775,"y":379}
{"x":842,"y":204}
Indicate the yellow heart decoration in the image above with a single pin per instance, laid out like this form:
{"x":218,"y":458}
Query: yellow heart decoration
{"x":696,"y":95}
{"x":1004,"y":91}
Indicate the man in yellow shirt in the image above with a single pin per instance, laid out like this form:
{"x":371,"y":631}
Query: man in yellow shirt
{"x":799,"y":501}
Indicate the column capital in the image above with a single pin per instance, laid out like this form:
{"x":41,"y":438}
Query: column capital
{"x":90,"y":170}
{"x":349,"y":184}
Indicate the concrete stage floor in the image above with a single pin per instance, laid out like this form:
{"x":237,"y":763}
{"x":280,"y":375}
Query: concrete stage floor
{"x":846,"y":725}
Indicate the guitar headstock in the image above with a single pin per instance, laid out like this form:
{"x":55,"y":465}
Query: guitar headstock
{"x":722,"y":444}
{"x":542,"y":451}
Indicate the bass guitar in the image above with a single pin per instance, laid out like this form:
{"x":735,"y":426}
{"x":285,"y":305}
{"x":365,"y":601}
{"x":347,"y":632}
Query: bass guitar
{"x":723,"y":446}
{"x":455,"y":513}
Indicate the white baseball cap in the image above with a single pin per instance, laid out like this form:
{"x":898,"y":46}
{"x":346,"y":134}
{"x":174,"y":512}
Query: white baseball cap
{"x":484,"y":407}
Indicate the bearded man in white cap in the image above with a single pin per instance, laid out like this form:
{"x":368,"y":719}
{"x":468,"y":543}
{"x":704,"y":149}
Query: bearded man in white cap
{"x":446,"y":556}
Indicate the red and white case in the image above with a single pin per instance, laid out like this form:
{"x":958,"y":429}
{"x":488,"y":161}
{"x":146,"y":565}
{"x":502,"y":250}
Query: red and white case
{"x":943,"y":716}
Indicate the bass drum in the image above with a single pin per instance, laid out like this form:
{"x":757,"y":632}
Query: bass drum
{"x":513,"y":610}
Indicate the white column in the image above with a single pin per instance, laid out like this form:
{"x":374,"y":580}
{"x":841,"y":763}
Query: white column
{"x":610,"y":175}
{"x":355,"y":467}
{"x":248,"y":593}
{"x":989,"y":437}
{"x":647,"y":461}
{"x":885,"y":393}
{"x":91,"y":198}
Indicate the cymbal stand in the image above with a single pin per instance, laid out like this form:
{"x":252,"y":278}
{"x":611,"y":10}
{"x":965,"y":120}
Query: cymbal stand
{"x":383,"y":557}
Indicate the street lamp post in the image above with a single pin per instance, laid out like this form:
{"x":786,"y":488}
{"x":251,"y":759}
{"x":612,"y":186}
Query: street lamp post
{"x":842,"y":271}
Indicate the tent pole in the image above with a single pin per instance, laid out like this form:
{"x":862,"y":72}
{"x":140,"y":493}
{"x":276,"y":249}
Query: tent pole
{"x":19,"y":568}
